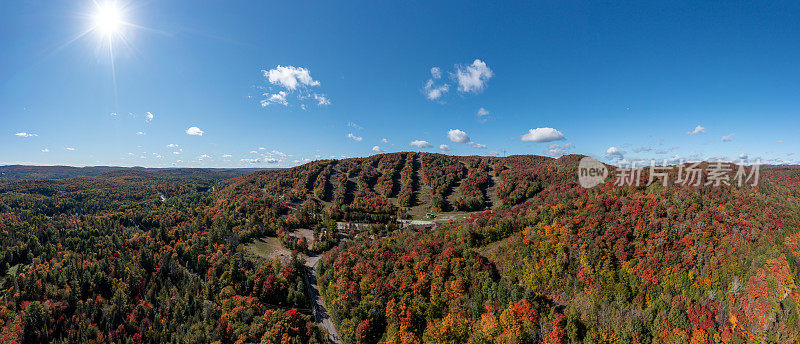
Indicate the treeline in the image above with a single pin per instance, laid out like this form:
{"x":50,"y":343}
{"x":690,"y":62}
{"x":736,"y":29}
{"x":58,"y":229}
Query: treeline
{"x":104,"y":259}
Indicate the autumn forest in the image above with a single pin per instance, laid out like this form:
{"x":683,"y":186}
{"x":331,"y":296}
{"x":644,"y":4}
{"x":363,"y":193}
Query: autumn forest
{"x":396,"y":248}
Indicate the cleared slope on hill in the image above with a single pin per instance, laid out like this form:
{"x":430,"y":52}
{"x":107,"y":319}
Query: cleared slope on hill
{"x":610,"y":264}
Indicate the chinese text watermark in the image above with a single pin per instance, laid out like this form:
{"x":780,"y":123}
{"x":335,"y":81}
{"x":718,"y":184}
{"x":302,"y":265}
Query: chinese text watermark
{"x":592,"y":172}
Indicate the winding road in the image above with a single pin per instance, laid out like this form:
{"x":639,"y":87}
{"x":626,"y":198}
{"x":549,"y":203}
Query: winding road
{"x":321,"y":316}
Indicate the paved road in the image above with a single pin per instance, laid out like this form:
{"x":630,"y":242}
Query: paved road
{"x":320,"y":312}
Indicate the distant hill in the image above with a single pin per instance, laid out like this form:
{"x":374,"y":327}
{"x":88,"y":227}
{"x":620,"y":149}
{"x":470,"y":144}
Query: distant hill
{"x":384,"y":187}
{"x":375,"y":188}
{"x":62,"y":172}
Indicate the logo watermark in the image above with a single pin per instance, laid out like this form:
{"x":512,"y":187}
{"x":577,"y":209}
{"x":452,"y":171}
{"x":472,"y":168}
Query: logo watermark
{"x":592,"y":172}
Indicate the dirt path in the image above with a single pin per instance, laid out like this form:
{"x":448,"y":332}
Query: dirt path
{"x":321,"y":316}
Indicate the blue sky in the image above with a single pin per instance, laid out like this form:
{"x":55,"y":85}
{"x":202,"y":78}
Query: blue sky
{"x":615,"y":81}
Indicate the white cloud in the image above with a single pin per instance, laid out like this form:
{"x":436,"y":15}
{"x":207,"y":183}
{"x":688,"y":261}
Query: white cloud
{"x":322,"y":99}
{"x":556,"y":149}
{"x":779,"y":141}
{"x":433,"y":92}
{"x":148,"y":116}
{"x":436,"y":73}
{"x":69,"y":148}
{"x":614,"y":153}
{"x":696,"y":157}
{"x":444,"y":147}
{"x":377,"y":149}
{"x":458,"y":136}
{"x":542,"y":135}
{"x":195,"y":131}
{"x":420,"y":144}
{"x":473,"y":78}
{"x":356,"y":138}
{"x":204,"y":156}
{"x":697,"y":130}
{"x":139,"y":133}
{"x":642,"y":149}
{"x":290,"y":77}
{"x":276,"y":98}
{"x":484,"y":115}
{"x":277,"y":152}
{"x":251,"y":161}
{"x":45,"y":150}
{"x":385,"y":140}
{"x":271,"y":160}
{"x":176,"y":153}
{"x":172,"y":145}
{"x":353,"y":125}
{"x":24,"y":134}
{"x":114,"y":114}
{"x":728,"y":138}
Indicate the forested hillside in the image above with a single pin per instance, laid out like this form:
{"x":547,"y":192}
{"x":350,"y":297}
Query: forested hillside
{"x":62,"y":172}
{"x":612,"y":264}
{"x":157,"y":257}
{"x":133,"y":257}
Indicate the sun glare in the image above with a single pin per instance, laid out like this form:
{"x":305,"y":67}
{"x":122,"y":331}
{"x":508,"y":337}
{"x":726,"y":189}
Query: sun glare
{"x":108,"y":19}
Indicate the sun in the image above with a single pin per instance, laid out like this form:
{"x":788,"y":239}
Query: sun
{"x":108,"y":19}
